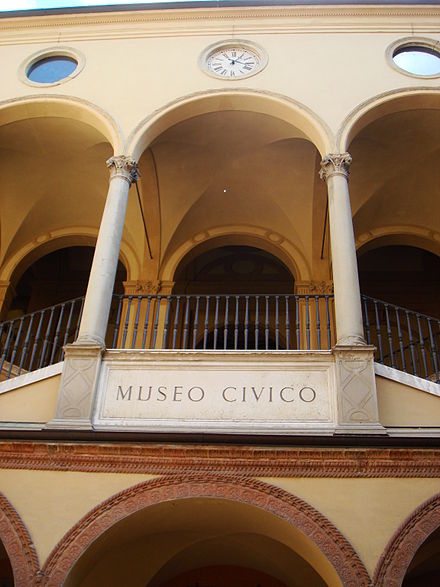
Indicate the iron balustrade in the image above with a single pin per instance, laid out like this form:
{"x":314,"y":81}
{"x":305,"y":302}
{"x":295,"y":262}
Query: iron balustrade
{"x":224,"y":322}
{"x":404,"y":339}
{"x":36,"y":340}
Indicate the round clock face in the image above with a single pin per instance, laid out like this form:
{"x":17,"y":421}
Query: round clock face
{"x":233,"y":62}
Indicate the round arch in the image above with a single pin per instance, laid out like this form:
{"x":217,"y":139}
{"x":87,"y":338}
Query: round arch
{"x":399,"y":235}
{"x":58,"y":239}
{"x":310,"y":124}
{"x":45,"y":105}
{"x":252,"y":236}
{"x":18,"y":544}
{"x":381,"y":105}
{"x":402,"y":547}
{"x":337,"y":555}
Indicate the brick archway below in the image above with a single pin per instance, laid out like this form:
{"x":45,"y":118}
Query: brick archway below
{"x":318,"y":529}
{"x":401,"y":549}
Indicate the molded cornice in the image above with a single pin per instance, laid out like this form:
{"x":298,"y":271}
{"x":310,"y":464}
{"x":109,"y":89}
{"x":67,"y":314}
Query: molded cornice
{"x":214,"y":20}
{"x":161,"y":459}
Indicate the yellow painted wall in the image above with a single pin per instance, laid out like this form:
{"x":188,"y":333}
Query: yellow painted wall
{"x":341,"y":53}
{"x":63,"y":498}
{"x":30,"y":403}
{"x":402,"y":405}
{"x":366,"y":511}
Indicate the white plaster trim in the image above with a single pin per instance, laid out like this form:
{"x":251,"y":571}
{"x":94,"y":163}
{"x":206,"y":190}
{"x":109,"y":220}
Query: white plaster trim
{"x":217,"y":20}
{"x":407,"y":379}
{"x":33,"y":377}
{"x":413,"y":431}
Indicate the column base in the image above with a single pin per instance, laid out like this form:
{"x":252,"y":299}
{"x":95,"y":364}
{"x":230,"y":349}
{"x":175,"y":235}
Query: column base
{"x":69,"y":424}
{"x":350,"y":341}
{"x":76,"y":395}
{"x":374,"y":429}
{"x":357,"y":410}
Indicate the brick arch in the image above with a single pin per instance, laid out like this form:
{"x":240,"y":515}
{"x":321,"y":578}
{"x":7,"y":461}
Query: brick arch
{"x":18,"y":544}
{"x":301,"y":515}
{"x":400,"y":550}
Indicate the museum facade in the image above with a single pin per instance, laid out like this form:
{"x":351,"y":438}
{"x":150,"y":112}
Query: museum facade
{"x":219,"y":295}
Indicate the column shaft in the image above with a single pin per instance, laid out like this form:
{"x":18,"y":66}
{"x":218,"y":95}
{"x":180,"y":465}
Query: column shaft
{"x":348,"y":309}
{"x":102,"y":275}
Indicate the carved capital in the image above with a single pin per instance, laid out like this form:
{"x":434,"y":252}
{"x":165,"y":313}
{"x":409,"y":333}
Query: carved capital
{"x":335,"y":164}
{"x":123,"y":166}
{"x":314,"y":287}
{"x":139,"y":287}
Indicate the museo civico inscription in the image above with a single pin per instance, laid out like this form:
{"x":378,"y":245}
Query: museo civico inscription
{"x":217,"y":395}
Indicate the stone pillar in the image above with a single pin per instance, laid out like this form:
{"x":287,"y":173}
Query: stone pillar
{"x":348,"y":309}
{"x":82,"y":360}
{"x":123,"y":172}
{"x":357,"y":409}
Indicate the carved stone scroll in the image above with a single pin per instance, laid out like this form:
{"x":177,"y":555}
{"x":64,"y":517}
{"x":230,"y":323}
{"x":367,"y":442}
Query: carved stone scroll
{"x":335,"y":164}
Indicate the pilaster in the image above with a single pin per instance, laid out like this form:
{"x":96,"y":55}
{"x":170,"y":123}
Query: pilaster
{"x":77,"y":388}
{"x":357,"y":410}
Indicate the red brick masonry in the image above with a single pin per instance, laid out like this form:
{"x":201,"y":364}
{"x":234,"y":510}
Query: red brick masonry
{"x":194,"y":471}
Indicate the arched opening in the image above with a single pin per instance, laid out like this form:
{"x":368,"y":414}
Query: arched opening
{"x":233,"y":161}
{"x":234,"y":298}
{"x":155,"y":532}
{"x":163,"y":544}
{"x":401,"y":274}
{"x":55,"y":278}
{"x":45,"y":312}
{"x":412,"y":556}
{"x":6,"y":574}
{"x":219,"y":576}
{"x":424,"y":569}
{"x":394,"y":192}
{"x":401,"y":287}
{"x":233,"y":269}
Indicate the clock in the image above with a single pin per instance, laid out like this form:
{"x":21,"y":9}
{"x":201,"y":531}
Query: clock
{"x":233,"y":60}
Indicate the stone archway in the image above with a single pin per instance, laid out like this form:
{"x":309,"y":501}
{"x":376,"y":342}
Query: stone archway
{"x":337,"y":557}
{"x":279,"y":106}
{"x":18,"y":545}
{"x":395,"y":560}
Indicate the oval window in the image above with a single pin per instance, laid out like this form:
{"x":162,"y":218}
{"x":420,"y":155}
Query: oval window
{"x":51,"y":69}
{"x":418,"y":60}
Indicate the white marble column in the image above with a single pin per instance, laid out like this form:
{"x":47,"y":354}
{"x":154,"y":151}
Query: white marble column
{"x":348,"y":309}
{"x":123,"y":172}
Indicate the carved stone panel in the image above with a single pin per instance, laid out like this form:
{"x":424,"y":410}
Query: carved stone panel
{"x":356,"y":387}
{"x":77,"y":388}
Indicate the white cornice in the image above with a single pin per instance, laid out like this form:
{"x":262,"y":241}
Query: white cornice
{"x":208,"y":21}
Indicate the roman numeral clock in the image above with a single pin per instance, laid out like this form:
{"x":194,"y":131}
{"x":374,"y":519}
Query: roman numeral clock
{"x":231,"y":60}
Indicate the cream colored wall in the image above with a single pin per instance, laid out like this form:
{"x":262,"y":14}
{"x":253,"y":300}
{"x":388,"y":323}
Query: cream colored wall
{"x":402,"y":405}
{"x":331,"y":67}
{"x":30,"y":403}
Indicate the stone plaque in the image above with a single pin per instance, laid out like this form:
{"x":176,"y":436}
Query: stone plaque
{"x":209,"y":396}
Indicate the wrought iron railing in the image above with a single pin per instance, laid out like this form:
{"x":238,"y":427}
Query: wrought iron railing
{"x":223,"y":322}
{"x":36,"y":340}
{"x":404,"y":339}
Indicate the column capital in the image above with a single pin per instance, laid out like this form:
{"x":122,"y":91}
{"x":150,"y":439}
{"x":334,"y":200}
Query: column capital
{"x":335,"y":164}
{"x":123,"y":166}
